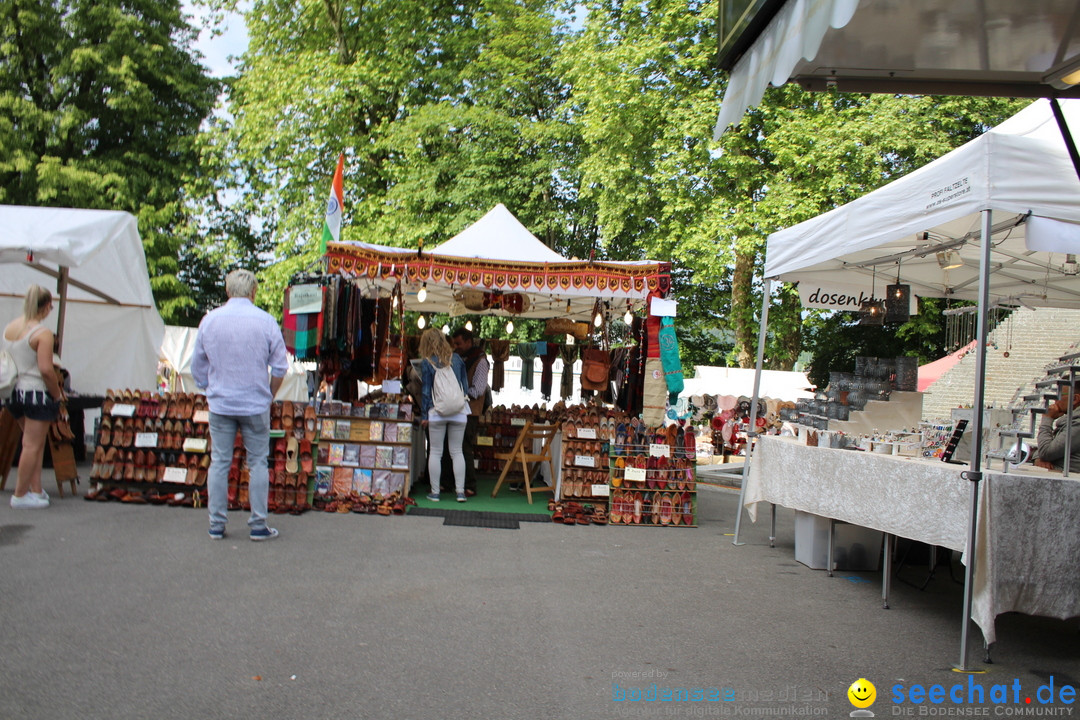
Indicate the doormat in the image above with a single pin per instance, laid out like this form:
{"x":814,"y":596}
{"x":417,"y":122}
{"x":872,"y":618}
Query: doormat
{"x":465,"y":518}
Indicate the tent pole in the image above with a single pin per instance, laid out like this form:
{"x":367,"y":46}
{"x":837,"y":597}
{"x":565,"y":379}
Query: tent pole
{"x":1070,"y":144}
{"x":752,"y":431}
{"x":974,"y":473}
{"x":61,"y":313}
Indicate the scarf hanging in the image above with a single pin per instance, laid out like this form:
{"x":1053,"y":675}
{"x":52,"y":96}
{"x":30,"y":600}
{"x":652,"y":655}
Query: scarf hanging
{"x":500,"y":353}
{"x":547,"y":361}
{"x":527,"y":353}
{"x":569,"y":354}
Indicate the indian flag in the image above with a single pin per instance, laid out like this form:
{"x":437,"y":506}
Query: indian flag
{"x":331,"y":231}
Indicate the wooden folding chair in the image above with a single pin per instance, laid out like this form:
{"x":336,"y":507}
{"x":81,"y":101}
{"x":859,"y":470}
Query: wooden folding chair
{"x":523,"y":452}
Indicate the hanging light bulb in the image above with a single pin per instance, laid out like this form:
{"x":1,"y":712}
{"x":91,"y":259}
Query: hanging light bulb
{"x":421,"y":322}
{"x":509,"y":326}
{"x":394,"y":303}
{"x":422,"y":295}
{"x":445,"y":329}
{"x":468,"y":325}
{"x":598,"y":320}
{"x":628,"y":318}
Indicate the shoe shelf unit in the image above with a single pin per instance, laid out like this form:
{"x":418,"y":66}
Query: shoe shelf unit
{"x":294,"y":436}
{"x":653,"y":481}
{"x":585,"y":467}
{"x":150,"y":447}
{"x":497,"y":432}
{"x":365,"y":454}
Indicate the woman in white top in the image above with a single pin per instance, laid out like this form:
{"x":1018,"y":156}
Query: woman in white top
{"x":437,"y":353}
{"x":35,"y":402}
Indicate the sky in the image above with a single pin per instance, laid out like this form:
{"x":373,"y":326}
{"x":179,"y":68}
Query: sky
{"x":217,"y":50}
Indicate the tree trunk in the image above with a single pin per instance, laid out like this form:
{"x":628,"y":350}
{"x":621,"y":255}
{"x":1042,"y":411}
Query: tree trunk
{"x":742,"y":308}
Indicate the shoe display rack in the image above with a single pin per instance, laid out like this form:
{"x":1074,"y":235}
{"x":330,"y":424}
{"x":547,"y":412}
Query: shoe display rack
{"x":364,"y":459}
{"x":587,"y":435}
{"x":151,"y":448}
{"x":294,"y":434}
{"x":653,"y":480}
{"x":498,"y":431}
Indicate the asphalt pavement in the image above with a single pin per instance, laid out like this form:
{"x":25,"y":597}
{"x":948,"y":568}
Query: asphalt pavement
{"x":130,"y":611}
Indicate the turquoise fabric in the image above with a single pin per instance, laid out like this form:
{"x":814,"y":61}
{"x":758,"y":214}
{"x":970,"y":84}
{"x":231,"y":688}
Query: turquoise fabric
{"x":669,"y":357}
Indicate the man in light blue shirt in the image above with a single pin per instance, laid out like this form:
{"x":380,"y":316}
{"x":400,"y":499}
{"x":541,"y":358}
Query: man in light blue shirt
{"x":236,"y":344}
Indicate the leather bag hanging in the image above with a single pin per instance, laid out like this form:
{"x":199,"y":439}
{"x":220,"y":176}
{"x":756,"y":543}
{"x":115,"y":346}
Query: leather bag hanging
{"x":392,"y":360}
{"x":595,"y":366}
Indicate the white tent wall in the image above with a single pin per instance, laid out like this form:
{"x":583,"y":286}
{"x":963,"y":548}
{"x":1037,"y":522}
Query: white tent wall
{"x":105,"y":344}
{"x":178,"y":347}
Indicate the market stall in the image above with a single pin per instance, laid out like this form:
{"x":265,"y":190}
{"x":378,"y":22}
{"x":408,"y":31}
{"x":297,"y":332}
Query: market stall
{"x":352,"y":319}
{"x":995,"y":221}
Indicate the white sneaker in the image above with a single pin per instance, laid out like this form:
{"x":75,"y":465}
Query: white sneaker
{"x":29,"y":501}
{"x":43,"y":495}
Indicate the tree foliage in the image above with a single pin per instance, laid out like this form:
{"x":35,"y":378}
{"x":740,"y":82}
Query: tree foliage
{"x":100,"y":105}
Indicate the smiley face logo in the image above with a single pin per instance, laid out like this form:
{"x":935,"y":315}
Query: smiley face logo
{"x":862,"y":693}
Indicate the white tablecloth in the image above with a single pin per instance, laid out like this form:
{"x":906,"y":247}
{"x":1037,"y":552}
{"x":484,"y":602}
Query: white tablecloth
{"x":1028,"y":547}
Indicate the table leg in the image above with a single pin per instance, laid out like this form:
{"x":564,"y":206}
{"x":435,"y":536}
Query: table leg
{"x":772,"y":528}
{"x":886,"y":577}
{"x":832,"y":540}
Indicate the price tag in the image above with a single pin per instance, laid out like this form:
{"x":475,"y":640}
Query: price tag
{"x":601,"y":490}
{"x":656,"y":450}
{"x":123,"y":410}
{"x":201,"y":416}
{"x":175,"y":475}
{"x":195,"y":445}
{"x":517,"y":422}
{"x":145,"y":440}
{"x":485,"y":441}
{"x":586,"y":433}
{"x":635,"y":474}
{"x":585,"y":461}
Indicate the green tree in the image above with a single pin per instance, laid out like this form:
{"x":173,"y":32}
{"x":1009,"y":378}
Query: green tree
{"x":100,"y":105}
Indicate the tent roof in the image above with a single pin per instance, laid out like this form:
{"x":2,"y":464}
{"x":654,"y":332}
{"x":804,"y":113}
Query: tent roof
{"x":1019,"y":168}
{"x":923,"y":47}
{"x":498,"y":235}
{"x":112,"y":330}
{"x":497,"y":255}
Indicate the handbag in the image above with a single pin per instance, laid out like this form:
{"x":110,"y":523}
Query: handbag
{"x":9,"y":373}
{"x":391,"y":364}
{"x":595,"y":367}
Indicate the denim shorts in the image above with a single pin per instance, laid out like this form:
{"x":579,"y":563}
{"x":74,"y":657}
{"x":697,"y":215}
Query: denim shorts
{"x":33,"y":404}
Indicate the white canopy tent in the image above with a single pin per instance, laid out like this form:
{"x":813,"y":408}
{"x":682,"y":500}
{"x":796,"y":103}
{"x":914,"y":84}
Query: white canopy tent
{"x":106,"y":319}
{"x":1007,"y":203}
{"x":178,"y":347}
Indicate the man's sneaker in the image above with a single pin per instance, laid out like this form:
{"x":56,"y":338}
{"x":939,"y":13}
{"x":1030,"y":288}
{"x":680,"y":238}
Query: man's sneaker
{"x":433,"y":497}
{"x":217,"y":534}
{"x":29,"y":501}
{"x":461,"y":497}
{"x":266,"y":533}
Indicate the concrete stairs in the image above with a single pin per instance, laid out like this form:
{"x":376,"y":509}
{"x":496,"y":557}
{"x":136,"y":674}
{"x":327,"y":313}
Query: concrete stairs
{"x":1038,"y":338}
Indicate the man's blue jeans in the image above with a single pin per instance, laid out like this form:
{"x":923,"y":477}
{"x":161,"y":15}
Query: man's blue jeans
{"x":256,"y":432}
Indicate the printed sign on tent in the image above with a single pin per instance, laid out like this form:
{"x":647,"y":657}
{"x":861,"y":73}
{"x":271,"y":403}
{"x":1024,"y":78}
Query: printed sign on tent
{"x":837,"y":296}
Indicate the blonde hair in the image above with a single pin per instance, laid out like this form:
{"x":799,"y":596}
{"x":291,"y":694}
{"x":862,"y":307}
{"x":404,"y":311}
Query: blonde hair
{"x":37,"y":298}
{"x":433,"y":342}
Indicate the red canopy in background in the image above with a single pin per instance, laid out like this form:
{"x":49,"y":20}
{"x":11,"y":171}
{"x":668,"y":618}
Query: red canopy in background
{"x":932,"y":371}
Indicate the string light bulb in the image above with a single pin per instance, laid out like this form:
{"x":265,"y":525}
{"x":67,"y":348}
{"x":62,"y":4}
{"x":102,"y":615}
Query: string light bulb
{"x":628,"y":318}
{"x":421,"y":322}
{"x":468,"y":325}
{"x":509,"y":326}
{"x":598,"y":320}
{"x":445,"y":329}
{"x":421,"y":296}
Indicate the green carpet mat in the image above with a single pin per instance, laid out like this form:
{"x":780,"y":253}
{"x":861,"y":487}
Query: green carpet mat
{"x":508,"y":501}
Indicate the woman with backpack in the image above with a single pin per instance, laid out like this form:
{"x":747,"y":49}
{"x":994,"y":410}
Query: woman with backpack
{"x":443,"y":408}
{"x":36,"y":399}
